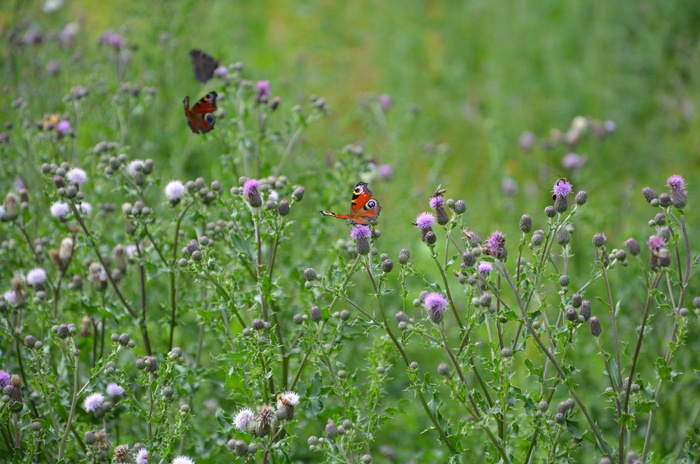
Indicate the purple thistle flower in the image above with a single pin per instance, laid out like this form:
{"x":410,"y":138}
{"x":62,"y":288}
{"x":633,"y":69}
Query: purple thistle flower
{"x":242,"y":419}
{"x":114,"y":390}
{"x":679,"y":196}
{"x":495,"y":245}
{"x":142,"y":456}
{"x":60,"y":210}
{"x":36,"y":276}
{"x":262,"y":91}
{"x":359,"y":232}
{"x":385,"y":102}
{"x":675,"y":182}
{"x":385,"y":171}
{"x":174,"y":191}
{"x":4,"y":378}
{"x":424,"y":221}
{"x":93,"y":402}
{"x":182,"y":460}
{"x":485,"y":268}
{"x":436,"y":202}
{"x":572,"y":161}
{"x":76,"y":175}
{"x":221,"y":71}
{"x":656,"y":243}
{"x":562,"y":188}
{"x":250,"y":187}
{"x":436,"y":304}
{"x":62,"y":127}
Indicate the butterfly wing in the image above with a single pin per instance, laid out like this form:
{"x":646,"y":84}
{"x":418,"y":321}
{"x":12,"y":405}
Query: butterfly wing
{"x":204,"y":65}
{"x":200,"y":117}
{"x":363,"y":208}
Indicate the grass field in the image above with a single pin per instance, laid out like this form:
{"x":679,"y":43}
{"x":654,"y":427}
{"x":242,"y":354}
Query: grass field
{"x":485,"y":99}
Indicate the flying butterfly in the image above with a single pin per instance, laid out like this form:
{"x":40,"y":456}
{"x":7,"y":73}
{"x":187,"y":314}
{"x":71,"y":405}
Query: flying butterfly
{"x":204,"y":65}
{"x":363,"y":209}
{"x":200,"y":117}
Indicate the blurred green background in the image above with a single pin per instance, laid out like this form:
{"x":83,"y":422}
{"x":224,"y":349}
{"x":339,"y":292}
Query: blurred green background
{"x":466,"y":80}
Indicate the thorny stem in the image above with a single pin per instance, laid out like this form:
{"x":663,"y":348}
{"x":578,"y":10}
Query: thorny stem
{"x":127,"y":306}
{"x":173,"y":276}
{"x":555,"y":363}
{"x":74,"y":400}
{"x":674,"y":332}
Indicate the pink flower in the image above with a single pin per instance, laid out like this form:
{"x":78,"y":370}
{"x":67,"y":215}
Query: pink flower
{"x":360,"y":231}
{"x":562,"y":187}
{"x":436,"y":304}
{"x":424,"y":221}
{"x":485,"y":268}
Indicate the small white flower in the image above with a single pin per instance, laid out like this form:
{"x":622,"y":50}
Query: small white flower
{"x":288,"y":399}
{"x":77,"y":176}
{"x":115,"y":390}
{"x":85,"y":208}
{"x":134,"y":167}
{"x":60,"y":210}
{"x":273,"y":195}
{"x":174,"y":190}
{"x":93,"y":401}
{"x":142,"y":456}
{"x":182,"y":460}
{"x":242,"y":419}
{"x":2,"y":212}
{"x":36,"y":276}
{"x":10,"y":297}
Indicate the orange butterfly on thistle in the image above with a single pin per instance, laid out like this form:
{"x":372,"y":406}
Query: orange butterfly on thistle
{"x":200,"y":117}
{"x":363,"y":208}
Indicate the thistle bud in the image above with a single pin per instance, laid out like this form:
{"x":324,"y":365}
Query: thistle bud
{"x":595,"y":327}
{"x":404,"y":256}
{"x":649,"y":194}
{"x":581,"y":197}
{"x":525,"y":223}
{"x":298,"y":193}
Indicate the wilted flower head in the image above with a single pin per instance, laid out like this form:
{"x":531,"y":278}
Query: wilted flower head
{"x":60,"y":210}
{"x":243,"y":418}
{"x":174,"y":191}
{"x":436,"y":304}
{"x":495,"y":245}
{"x":93,"y":402}
{"x":76,"y":176}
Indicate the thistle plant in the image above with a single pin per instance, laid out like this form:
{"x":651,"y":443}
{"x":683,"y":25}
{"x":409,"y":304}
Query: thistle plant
{"x":156,"y":309}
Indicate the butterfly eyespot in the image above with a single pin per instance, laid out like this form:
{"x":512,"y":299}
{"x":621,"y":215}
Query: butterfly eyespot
{"x":358,"y":190}
{"x":371,"y":204}
{"x":209,"y":118}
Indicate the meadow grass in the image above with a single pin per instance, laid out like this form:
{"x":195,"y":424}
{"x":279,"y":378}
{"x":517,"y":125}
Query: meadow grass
{"x":224,"y":318}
